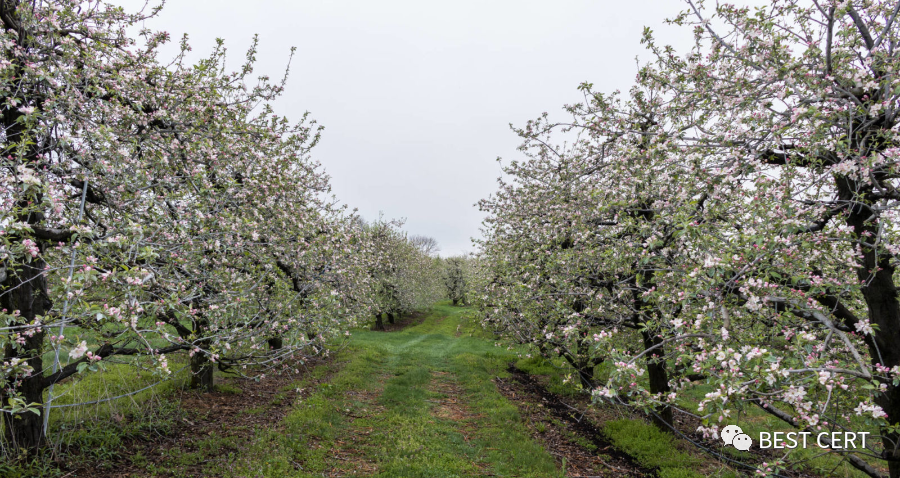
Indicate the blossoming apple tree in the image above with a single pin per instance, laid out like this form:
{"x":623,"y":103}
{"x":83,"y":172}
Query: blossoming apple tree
{"x":151,"y":209}
{"x":798,"y":106}
{"x":760,"y":204}
{"x":604,"y":218}
{"x":457,"y":278}
{"x":402,"y":276}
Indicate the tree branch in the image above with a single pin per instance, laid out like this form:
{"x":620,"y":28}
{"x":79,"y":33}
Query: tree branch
{"x":861,"y":26}
{"x":52,"y":234}
{"x":887,"y":26}
{"x":828,"y":41}
{"x":105,"y":350}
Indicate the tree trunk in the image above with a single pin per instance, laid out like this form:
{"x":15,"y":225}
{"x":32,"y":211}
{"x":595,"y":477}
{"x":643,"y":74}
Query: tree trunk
{"x":586,"y":375}
{"x":379,"y":324}
{"x":658,"y":375}
{"x":390,"y":317}
{"x":201,"y":368}
{"x":586,"y":364}
{"x":202,"y":372}
{"x":583,"y":367}
{"x":25,"y":430}
{"x":25,"y":290}
{"x":455,"y":301}
{"x":657,"y":370}
{"x":884,"y":347}
{"x":876,"y":273}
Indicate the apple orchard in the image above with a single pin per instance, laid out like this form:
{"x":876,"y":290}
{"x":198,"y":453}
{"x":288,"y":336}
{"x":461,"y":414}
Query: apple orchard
{"x":719,"y":239}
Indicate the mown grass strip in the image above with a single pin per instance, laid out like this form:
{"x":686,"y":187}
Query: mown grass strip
{"x":377,"y":415}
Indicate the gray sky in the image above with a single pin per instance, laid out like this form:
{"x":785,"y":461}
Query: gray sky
{"x":417,"y":96}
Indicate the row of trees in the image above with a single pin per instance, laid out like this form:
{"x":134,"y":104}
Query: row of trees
{"x":458,"y":275}
{"x":730,"y":223}
{"x":410,"y":276}
{"x":406,"y":274}
{"x":154,"y":209}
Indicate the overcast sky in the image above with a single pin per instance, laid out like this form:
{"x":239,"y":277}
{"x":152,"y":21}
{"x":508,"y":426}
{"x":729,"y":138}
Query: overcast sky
{"x":417,"y":96}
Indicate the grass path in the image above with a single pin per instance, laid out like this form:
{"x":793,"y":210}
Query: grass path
{"x":414,"y":403}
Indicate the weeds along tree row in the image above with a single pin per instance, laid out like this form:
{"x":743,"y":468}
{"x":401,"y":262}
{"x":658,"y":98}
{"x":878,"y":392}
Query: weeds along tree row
{"x":160,"y":213}
{"x":728,"y":225}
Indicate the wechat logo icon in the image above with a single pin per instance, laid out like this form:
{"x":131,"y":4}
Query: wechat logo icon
{"x":734,"y":436}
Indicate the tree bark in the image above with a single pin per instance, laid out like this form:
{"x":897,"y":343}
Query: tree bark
{"x":379,"y":324}
{"x":586,"y":376}
{"x":583,"y":366}
{"x":25,"y":290}
{"x":658,"y":375}
{"x":390,"y":317}
{"x":202,"y":372}
{"x":876,"y":273}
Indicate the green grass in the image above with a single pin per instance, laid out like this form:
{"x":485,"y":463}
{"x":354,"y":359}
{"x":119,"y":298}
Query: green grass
{"x":652,"y":448}
{"x":395,"y":427}
{"x":380,"y":411}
